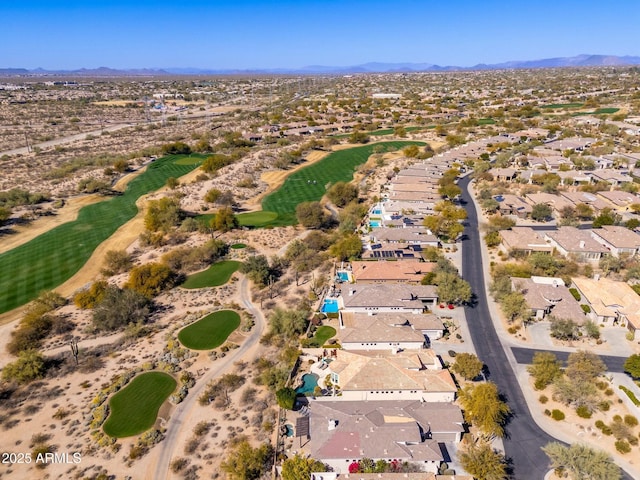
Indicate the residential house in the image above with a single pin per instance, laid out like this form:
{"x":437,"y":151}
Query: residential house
{"x":384,"y":271}
{"x":619,"y":240}
{"x":595,"y":202}
{"x":611,"y":302}
{"x":428,"y":325}
{"x":390,"y":297}
{"x":549,"y":296}
{"x":556,"y":202}
{"x":408,"y":236}
{"x":577,"y":144}
{"x":620,"y":200}
{"x":525,"y":240}
{"x":576,"y":243}
{"x":613,"y":177}
{"x":343,"y":432}
{"x":514,"y":205}
{"x":504,"y":174}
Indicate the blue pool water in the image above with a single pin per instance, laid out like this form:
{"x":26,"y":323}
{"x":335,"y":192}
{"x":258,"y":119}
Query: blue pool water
{"x":377,"y":212}
{"x":344,"y":276}
{"x":289,"y":428}
{"x":330,"y":305}
{"x":374,"y":223}
{"x":309,"y":383}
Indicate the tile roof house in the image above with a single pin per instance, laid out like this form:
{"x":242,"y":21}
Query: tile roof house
{"x":549,"y":296}
{"x":391,"y":375}
{"x":391,"y":298}
{"x":386,"y":476}
{"x":611,"y":302}
{"x":524,"y":239}
{"x":619,"y":199}
{"x":571,"y":241}
{"x":611,"y":176}
{"x":595,"y":202}
{"x":514,"y":205}
{"x":556,"y":202}
{"x":383,"y":271}
{"x":619,"y":240}
{"x":407,"y":235}
{"x":406,"y":431}
{"x":389,"y":327}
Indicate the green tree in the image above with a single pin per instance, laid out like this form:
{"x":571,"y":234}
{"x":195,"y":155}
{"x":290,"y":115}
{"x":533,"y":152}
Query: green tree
{"x":288,"y":323}
{"x":514,"y":306}
{"x":468,"y":365}
{"x":342,"y":193}
{"x":483,"y":462}
{"x":173,"y":183}
{"x":5,"y":213}
{"x":632,"y":365}
{"x":119,"y":308}
{"x":583,"y":366}
{"x":225,"y":220}
{"x":162,"y":214}
{"x":609,"y":264}
{"x":245,"y":462}
{"x":449,"y":191}
{"x":150,"y":279}
{"x":91,"y":296}
{"x":311,"y":215}
{"x":452,"y":289}
{"x":257,"y":269}
{"x":347,"y":247}
{"x":607,"y":217}
{"x":582,"y":462}
{"x":544,"y":369}
{"x":411,"y":151}
{"x":359,"y":136}
{"x":484,"y":409}
{"x":584,"y":211}
{"x":176,"y":148}
{"x":212,"y":195}
{"x":446,"y":223}
{"x":29,"y":366}
{"x":301,"y":468}
{"x":541,"y":212}
{"x":564,"y":329}
{"x":286,"y":397}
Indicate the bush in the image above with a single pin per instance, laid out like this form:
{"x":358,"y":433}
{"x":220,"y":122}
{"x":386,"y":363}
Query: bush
{"x":604,"y":406}
{"x":600,"y":424}
{"x":630,"y":421}
{"x":623,"y":446}
{"x":557,"y":415}
{"x":452,"y":353}
{"x":286,"y":398}
{"x":543,"y":399}
{"x":585,"y":308}
{"x":583,"y":411}
{"x":575,"y":294}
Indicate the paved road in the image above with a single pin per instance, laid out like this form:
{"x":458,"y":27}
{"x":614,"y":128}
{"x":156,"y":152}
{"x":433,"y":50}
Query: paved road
{"x":182,"y":412}
{"x":525,"y":355}
{"x":523,"y":436}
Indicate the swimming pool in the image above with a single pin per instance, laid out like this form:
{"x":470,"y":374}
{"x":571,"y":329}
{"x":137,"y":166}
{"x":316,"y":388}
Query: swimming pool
{"x":309,"y":383}
{"x":330,"y":305}
{"x":344,"y":276}
{"x":377,"y":212}
{"x":374,"y":223}
{"x":289,"y":430}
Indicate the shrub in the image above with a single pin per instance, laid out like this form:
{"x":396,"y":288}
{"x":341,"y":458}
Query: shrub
{"x":286,"y":398}
{"x":630,"y":421}
{"x":452,"y":353}
{"x":604,"y":406}
{"x":600,"y":424}
{"x":585,"y":308}
{"x":583,"y":411}
{"x":623,"y":446}
{"x":557,"y":415}
{"x":543,"y":399}
{"x":606,"y":430}
{"x":575,"y":294}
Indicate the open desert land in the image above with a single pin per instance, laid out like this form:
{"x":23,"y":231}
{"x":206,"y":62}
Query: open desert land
{"x":197,"y":150}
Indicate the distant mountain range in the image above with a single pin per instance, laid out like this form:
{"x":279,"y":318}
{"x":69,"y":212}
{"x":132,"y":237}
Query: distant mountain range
{"x":372,"y":67}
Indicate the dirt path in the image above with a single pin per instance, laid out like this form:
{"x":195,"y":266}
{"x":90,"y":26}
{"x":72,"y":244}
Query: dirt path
{"x":159,"y":466}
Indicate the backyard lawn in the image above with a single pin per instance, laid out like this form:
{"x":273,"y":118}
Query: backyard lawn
{"x":323,"y":333}
{"x":309,"y":183}
{"x":211,"y":331}
{"x":55,"y":256}
{"x":134,"y":409}
{"x":214,"y":276}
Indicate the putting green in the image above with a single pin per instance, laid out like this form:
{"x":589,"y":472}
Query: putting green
{"x":55,"y":256}
{"x":211,"y":331}
{"x":134,"y":409}
{"x":214,"y":276}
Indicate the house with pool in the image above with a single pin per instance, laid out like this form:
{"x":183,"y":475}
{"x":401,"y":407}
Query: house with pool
{"x":389,"y":375}
{"x":388,"y":298}
{"x":384,"y":331}
{"x":381,"y":271}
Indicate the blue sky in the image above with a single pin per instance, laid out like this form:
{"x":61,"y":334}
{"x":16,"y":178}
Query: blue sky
{"x":219,"y":34}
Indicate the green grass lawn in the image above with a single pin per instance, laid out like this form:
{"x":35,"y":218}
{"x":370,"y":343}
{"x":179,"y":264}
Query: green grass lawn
{"x":323,"y":334}
{"x":599,"y":111}
{"x":258,"y":219}
{"x":300,"y":187}
{"x":55,"y":256}
{"x":239,"y":246}
{"x":214,"y":276}
{"x":211,"y":331}
{"x":563,"y":105}
{"x":134,"y":409}
{"x":486,"y":121}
